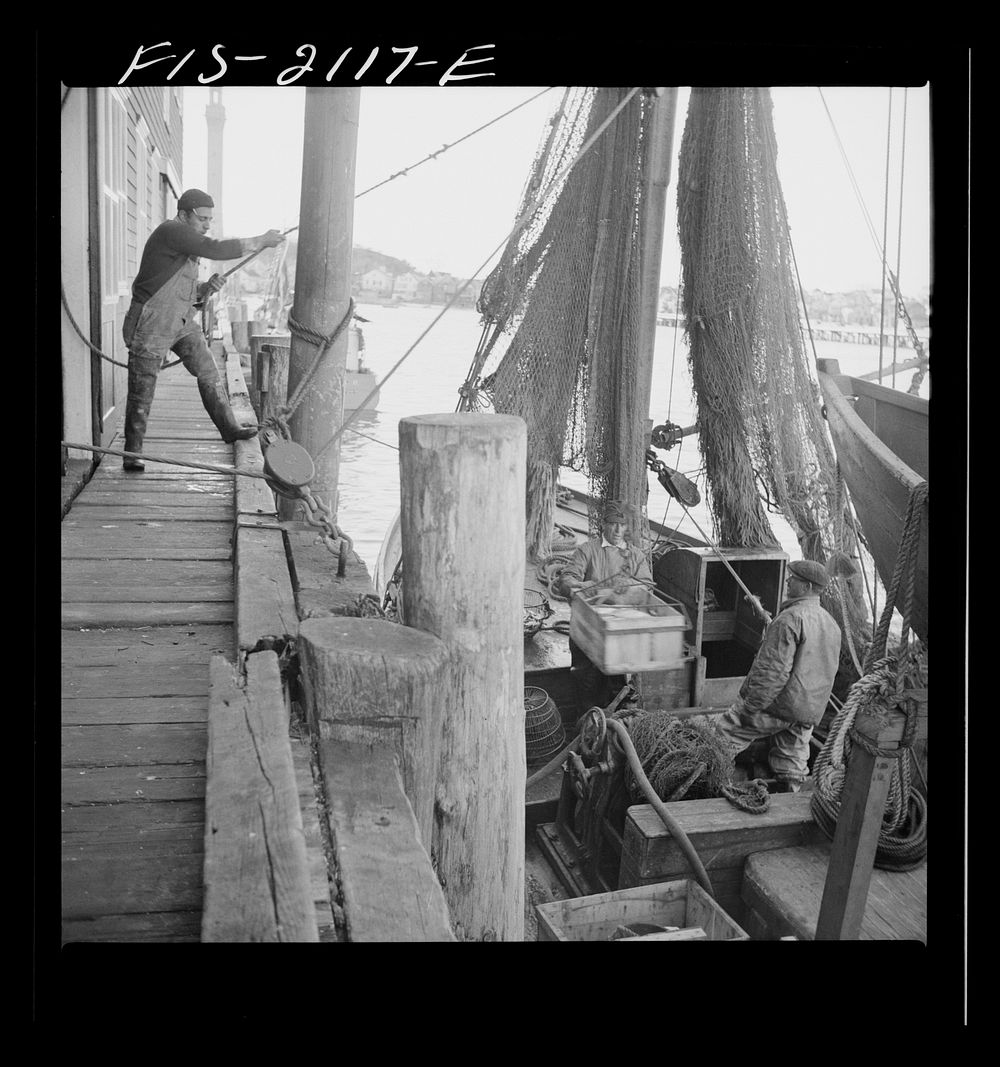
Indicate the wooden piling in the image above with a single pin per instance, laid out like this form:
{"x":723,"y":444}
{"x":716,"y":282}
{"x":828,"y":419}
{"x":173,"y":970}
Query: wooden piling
{"x":462,"y":479}
{"x":323,"y":278}
{"x":367,"y":680}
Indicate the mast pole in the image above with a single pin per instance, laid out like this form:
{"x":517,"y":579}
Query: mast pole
{"x":323,"y":277}
{"x":655,"y":182}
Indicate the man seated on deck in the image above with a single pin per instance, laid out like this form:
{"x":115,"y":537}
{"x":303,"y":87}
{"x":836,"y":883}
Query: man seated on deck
{"x":162,"y":316}
{"x":790,"y":680}
{"x":599,"y":560}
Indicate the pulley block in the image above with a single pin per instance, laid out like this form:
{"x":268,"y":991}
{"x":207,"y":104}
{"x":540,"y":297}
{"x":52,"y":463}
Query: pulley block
{"x":289,"y":466}
{"x":678,"y":486}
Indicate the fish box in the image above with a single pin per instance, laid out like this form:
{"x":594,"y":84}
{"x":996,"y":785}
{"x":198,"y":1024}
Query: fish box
{"x":682,"y":910}
{"x":624,"y":632}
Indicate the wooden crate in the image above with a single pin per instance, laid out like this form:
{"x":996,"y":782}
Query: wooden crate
{"x":631,"y":631}
{"x":721,"y":834}
{"x":682,"y":904}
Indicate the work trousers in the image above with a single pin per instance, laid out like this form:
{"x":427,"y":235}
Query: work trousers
{"x":167,"y":322}
{"x":789,"y":753}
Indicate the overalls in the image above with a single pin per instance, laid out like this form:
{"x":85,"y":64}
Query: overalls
{"x":166,"y":322}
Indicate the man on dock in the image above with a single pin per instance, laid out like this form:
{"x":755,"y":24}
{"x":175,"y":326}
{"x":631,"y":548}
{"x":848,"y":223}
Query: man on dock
{"x":598,"y":561}
{"x":790,"y":680}
{"x":162,"y":317}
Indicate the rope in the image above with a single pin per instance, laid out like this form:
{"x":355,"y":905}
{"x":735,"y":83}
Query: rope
{"x":893,"y":281}
{"x":166,"y":459}
{"x":444,"y":148}
{"x":79,"y":332}
{"x":885,"y":233}
{"x":622,"y":736}
{"x":888,"y":681}
{"x":324,"y":344}
{"x":753,"y":599}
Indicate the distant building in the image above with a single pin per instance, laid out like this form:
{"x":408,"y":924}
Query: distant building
{"x":376,"y":282}
{"x":443,"y":287}
{"x":130,"y":139}
{"x":412,"y":287}
{"x":470,"y":294}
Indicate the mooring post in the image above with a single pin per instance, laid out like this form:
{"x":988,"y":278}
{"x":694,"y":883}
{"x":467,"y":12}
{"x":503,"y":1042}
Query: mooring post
{"x":462,"y":493}
{"x":323,"y":279}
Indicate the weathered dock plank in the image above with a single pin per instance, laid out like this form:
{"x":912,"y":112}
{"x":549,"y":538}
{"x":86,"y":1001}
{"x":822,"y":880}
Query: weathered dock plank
{"x":105,"y":711}
{"x":265,"y":602}
{"x":165,"y":926}
{"x":129,"y":744}
{"x":128,"y":783}
{"x":150,"y":513}
{"x":183,"y":540}
{"x":256,"y":873}
{"x":145,"y":645}
{"x":145,"y":614}
{"x":105,"y":873}
{"x":131,"y":580}
{"x":162,"y":680}
{"x":168,"y":498}
{"x":138,"y":817}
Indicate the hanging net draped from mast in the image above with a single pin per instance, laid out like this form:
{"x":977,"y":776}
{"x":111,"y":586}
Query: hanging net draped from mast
{"x":561,"y":313}
{"x":761,"y":430}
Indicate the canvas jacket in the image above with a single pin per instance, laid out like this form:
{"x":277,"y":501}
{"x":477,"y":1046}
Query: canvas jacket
{"x":792,"y":674}
{"x":593,"y":562}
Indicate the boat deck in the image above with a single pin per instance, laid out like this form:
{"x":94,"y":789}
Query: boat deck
{"x":783,"y":888}
{"x":147,"y":598}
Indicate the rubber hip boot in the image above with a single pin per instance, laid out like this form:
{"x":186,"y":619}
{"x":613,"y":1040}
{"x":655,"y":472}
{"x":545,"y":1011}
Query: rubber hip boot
{"x":141,"y":387}
{"x":213,"y":396}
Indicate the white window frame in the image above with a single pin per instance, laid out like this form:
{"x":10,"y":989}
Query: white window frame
{"x":144,"y":195}
{"x":114,"y":202}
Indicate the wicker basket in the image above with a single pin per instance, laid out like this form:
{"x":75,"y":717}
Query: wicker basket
{"x":544,"y":734}
{"x":536,"y":610}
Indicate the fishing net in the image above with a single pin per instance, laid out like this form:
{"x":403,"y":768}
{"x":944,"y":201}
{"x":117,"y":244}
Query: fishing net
{"x":684,"y":759}
{"x":561,"y":312}
{"x":761,"y":430}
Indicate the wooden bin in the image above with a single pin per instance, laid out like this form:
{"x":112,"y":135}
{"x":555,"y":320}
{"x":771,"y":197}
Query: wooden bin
{"x":626,"y":632}
{"x":682,"y":904}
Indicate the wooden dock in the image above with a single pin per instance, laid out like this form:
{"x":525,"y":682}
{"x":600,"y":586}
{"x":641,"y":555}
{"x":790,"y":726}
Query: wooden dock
{"x":147,"y":599}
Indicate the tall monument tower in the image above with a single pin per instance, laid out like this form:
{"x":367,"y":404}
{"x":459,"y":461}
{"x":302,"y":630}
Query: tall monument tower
{"x":215,"y":118}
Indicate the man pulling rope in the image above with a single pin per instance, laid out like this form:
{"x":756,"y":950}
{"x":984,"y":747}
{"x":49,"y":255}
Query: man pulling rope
{"x":162,"y":317}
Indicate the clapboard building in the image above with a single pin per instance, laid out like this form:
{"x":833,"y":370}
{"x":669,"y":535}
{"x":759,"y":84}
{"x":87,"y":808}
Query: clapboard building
{"x":121,"y":150}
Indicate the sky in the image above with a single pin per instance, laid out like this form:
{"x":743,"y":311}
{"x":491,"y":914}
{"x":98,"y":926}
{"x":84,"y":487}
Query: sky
{"x":452,"y":212}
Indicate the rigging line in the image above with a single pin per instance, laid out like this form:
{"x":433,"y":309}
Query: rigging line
{"x":79,"y":332}
{"x":519,"y":223}
{"x":853,"y":180}
{"x":885,"y":233}
{"x":899,"y":233}
{"x":375,"y":439}
{"x":444,"y":148}
{"x":214,"y":468}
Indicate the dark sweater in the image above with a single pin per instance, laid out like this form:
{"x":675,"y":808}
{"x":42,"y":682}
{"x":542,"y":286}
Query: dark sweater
{"x":169,"y":246}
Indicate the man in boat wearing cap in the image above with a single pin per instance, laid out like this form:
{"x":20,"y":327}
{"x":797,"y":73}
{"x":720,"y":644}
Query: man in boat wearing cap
{"x":597,"y":561}
{"x":162,"y":316}
{"x":790,"y":680}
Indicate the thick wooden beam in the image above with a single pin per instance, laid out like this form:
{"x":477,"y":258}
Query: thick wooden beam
{"x":265,"y":602}
{"x":462,"y":485}
{"x":256,"y":873}
{"x":387,"y":883}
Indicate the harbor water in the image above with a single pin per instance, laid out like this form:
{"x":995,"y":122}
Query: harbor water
{"x":428,"y":381}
